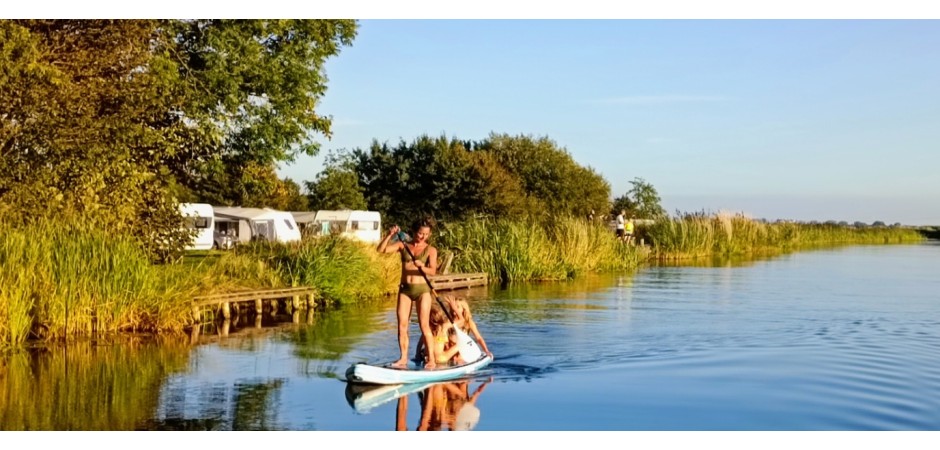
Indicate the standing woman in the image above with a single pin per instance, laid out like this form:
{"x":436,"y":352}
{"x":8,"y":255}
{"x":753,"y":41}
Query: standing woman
{"x":413,"y":287}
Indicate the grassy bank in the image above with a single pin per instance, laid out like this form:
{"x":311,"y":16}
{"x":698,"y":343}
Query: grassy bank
{"x":697,"y":235}
{"x":58,"y":281}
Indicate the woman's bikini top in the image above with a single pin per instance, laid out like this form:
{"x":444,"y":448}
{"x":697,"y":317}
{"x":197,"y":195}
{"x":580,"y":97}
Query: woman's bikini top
{"x":423,"y":256}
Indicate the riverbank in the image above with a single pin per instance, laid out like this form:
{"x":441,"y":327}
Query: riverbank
{"x":62,"y":281}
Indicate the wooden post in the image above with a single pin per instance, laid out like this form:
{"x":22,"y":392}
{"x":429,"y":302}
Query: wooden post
{"x":258,"y":306}
{"x":295,"y":302}
{"x":445,"y":266}
{"x":258,"y":321}
{"x":226,"y":311}
{"x":311,"y":301}
{"x":225,"y":327}
{"x":197,"y":318}
{"x":310,"y":316}
{"x":194,"y":334}
{"x":295,"y":316}
{"x":274,"y":307}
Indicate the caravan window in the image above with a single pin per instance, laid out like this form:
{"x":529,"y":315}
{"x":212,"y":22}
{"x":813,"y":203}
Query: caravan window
{"x":289,"y":226}
{"x":198,"y":222}
{"x":375,"y":225}
{"x":355,"y":225}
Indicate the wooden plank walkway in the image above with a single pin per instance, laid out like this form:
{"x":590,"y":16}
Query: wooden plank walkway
{"x":304,"y":297}
{"x":458,"y":281}
{"x":300,"y":298}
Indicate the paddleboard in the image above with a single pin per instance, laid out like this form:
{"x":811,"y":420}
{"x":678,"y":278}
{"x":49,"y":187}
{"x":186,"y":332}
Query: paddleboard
{"x":364,"y":373}
{"x":366,"y":397}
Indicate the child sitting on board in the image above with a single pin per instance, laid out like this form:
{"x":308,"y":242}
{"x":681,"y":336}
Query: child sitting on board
{"x":463,"y":319}
{"x":445,"y":346}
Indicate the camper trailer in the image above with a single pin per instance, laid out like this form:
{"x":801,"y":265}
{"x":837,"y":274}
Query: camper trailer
{"x":365,"y":226}
{"x":199,"y":217}
{"x":248,"y":224}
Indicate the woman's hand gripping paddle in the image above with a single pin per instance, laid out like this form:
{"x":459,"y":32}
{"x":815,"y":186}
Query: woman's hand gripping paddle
{"x":469,"y":350}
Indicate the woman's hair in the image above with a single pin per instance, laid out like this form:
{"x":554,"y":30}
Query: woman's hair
{"x":426,"y":221}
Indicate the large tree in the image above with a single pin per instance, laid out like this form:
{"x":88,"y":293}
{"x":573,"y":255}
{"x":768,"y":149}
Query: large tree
{"x":337,"y":186}
{"x":114,"y":121}
{"x":549,"y":175}
{"x":248,"y":90}
{"x":429,"y":176}
{"x":451,"y":179}
{"x":643,"y":200}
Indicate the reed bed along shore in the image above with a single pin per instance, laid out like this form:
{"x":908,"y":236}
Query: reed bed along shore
{"x":514,"y":251}
{"x":59,"y":281}
{"x":698,"y":235}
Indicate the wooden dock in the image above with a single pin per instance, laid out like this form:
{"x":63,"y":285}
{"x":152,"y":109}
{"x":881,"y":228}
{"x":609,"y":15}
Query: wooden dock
{"x":458,"y":281}
{"x":295,"y":299}
{"x":298,"y":297}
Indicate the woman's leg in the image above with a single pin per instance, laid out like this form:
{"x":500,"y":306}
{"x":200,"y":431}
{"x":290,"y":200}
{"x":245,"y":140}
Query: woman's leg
{"x":424,"y":321}
{"x":404,"y":319}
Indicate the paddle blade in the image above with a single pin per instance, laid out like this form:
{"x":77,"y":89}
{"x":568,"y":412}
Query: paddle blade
{"x":469,"y":350}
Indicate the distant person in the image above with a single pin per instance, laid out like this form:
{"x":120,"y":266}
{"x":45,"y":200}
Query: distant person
{"x":621,"y":232}
{"x":590,"y":216}
{"x":414,"y":287}
{"x":628,"y":231}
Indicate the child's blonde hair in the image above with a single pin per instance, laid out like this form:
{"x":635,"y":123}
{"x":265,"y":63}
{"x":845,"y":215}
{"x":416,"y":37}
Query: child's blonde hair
{"x":437,"y":319}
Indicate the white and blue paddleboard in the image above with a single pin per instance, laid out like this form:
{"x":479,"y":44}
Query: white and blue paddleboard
{"x":366,"y":397}
{"x":363,"y":373}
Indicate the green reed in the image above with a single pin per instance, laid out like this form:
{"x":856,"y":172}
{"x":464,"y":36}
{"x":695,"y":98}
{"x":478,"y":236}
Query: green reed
{"x":525,"y":250}
{"x":73,"y":280}
{"x":341,"y":269}
{"x":63,"y":280}
{"x":696,"y":235}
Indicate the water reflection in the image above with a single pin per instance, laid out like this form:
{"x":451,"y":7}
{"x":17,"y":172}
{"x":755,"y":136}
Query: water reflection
{"x":448,"y":406}
{"x":831,"y":340}
{"x":100,"y":385}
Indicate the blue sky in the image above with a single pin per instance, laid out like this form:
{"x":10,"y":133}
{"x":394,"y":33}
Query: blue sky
{"x":789,"y":119}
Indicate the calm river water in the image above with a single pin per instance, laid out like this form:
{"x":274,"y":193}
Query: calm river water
{"x":836,"y":339}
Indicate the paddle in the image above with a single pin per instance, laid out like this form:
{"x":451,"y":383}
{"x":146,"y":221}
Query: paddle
{"x":468,"y":348}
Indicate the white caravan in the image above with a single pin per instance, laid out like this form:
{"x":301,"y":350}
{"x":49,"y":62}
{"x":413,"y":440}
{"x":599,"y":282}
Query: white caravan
{"x":199,"y":217}
{"x":365,"y":226}
{"x":258,"y":224}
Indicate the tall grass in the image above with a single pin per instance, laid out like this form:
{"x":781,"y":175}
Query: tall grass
{"x":342,"y":270}
{"x":73,"y":280}
{"x":525,"y":250}
{"x":69,"y":280}
{"x":696,"y":235}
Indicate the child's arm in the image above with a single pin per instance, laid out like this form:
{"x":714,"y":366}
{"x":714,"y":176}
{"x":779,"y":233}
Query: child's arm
{"x":479,"y":337}
{"x":449,"y":353}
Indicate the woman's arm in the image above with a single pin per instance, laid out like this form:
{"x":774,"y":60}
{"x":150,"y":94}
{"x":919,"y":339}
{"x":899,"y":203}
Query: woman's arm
{"x":431,"y":267}
{"x":384,"y":246}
